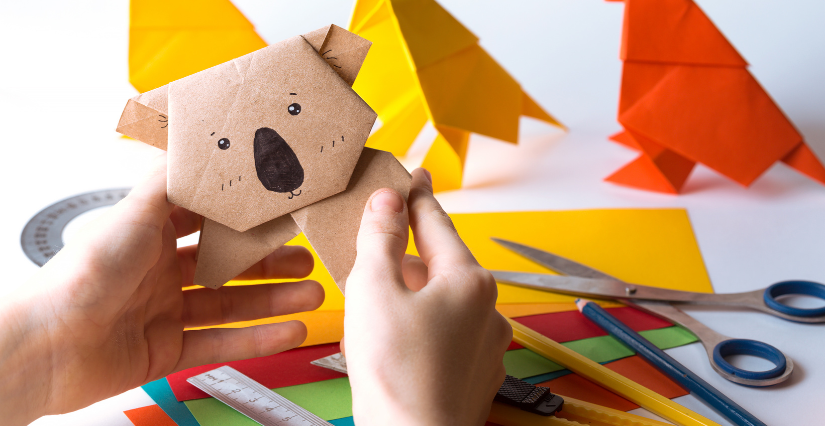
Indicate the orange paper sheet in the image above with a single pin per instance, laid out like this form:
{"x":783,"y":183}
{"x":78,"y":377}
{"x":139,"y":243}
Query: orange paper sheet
{"x":687,"y":97}
{"x":634,"y":368}
{"x":151,"y":415}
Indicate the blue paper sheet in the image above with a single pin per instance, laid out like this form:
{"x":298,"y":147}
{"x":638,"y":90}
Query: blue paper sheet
{"x":161,"y":393}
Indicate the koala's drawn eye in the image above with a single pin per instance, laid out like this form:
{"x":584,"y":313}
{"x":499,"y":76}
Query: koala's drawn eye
{"x":294,"y":109}
{"x":223,"y":143}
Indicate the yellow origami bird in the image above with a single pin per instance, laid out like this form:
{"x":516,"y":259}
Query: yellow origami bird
{"x":171,"y":39}
{"x":424,"y":65}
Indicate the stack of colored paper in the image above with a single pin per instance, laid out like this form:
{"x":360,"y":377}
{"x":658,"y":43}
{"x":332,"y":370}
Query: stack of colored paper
{"x":652,"y":247}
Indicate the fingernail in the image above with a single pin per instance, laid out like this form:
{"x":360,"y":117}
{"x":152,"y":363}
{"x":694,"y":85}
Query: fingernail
{"x":387,"y":201}
{"x":428,"y":175}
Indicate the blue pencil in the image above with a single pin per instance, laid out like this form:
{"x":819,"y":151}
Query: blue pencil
{"x":676,"y":371}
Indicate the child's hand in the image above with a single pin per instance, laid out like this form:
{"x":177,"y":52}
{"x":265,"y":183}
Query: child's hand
{"x":424,"y":342}
{"x":107,"y":313}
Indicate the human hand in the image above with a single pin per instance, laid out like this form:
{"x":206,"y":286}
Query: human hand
{"x":108,"y":312}
{"x":424,"y":342}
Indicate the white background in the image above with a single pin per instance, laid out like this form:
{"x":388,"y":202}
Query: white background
{"x":63,"y":83}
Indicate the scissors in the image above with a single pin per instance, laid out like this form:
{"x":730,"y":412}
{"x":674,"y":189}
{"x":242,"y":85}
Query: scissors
{"x":581,"y":280}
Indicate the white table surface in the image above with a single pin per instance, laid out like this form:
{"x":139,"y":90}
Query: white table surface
{"x":63,"y":83}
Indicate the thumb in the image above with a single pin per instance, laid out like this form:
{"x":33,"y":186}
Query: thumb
{"x":382,"y":241}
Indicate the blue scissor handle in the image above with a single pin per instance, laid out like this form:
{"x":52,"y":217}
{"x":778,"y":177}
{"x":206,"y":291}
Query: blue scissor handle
{"x":807,"y":288}
{"x":749,"y":347}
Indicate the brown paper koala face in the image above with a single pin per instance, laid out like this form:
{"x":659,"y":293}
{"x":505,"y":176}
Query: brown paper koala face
{"x":267,"y":133}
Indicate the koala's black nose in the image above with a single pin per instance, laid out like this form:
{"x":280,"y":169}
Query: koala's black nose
{"x":277,"y":165}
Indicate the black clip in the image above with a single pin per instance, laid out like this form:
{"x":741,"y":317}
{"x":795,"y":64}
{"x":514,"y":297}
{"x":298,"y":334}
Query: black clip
{"x":530,"y":398}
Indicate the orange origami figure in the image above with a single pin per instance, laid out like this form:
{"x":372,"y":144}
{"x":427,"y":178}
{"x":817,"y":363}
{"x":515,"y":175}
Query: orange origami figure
{"x":687,"y":97}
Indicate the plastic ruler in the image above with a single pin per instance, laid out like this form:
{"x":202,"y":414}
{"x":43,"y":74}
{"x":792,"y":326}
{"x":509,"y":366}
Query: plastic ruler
{"x":252,"y":399}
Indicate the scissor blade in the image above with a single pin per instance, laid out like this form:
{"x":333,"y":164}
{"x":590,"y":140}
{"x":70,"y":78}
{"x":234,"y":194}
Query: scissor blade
{"x":603,"y":288}
{"x":575,"y":286}
{"x":552,"y":261}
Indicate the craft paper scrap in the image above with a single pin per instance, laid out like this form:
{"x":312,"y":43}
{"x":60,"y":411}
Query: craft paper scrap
{"x":284,"y":369}
{"x":162,"y":394}
{"x":266,"y":146}
{"x":687,"y":97}
{"x":151,"y":415}
{"x":426,"y":66}
{"x":329,"y":400}
{"x":523,"y":363}
{"x":654,"y":247}
{"x":170,"y":39}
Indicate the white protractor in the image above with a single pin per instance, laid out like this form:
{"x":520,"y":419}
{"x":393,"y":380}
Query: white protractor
{"x":252,"y":399}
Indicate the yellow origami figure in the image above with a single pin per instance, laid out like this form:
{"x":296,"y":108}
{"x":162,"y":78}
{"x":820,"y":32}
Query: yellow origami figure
{"x":424,"y":65}
{"x":170,"y":39}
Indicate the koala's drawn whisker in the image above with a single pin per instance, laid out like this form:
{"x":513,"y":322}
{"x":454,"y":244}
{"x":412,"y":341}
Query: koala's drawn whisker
{"x":322,"y":148}
{"x":239,"y":178}
{"x":330,"y":50}
{"x":221,"y":187}
{"x":333,"y":144}
{"x":230,"y":182}
{"x":213,"y":134}
{"x":330,"y":57}
{"x":336,"y":66}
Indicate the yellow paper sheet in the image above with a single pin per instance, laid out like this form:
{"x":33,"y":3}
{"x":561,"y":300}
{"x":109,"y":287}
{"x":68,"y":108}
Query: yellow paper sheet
{"x":653,"y":247}
{"x":328,"y":326}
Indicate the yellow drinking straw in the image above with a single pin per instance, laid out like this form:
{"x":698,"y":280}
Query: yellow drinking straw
{"x":606,"y":378}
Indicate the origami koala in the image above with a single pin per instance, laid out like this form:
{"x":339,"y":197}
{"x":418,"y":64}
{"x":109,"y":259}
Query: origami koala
{"x":268,"y":145}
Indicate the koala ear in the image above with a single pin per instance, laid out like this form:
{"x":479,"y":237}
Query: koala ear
{"x":145,"y":118}
{"x":343,"y":50}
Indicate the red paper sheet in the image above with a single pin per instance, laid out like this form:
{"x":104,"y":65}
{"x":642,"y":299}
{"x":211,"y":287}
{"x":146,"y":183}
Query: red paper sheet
{"x":634,"y":368}
{"x":293,"y":367}
{"x":288,"y":368}
{"x":572,"y":325}
{"x":151,"y":415}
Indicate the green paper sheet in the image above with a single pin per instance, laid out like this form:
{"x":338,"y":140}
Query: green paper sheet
{"x":523,"y":363}
{"x":332,"y":399}
{"x":329,"y":400}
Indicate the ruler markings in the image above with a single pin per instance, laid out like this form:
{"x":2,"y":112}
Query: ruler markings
{"x":252,"y":399}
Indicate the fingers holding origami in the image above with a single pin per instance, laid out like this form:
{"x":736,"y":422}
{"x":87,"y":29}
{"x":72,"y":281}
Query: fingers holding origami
{"x":332,"y":225}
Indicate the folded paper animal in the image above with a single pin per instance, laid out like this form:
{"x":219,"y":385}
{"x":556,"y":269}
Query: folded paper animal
{"x":687,"y":97}
{"x":268,"y":145}
{"x":426,"y":66}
